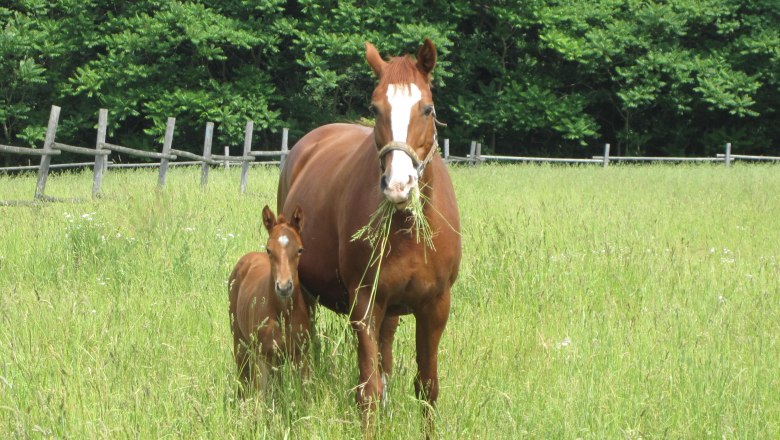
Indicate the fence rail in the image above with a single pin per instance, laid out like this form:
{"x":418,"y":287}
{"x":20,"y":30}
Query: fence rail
{"x":26,"y":151}
{"x":104,"y":149}
{"x":475,"y":157}
{"x":749,"y":157}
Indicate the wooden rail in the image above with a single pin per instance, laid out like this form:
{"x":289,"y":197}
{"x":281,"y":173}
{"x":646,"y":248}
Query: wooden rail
{"x":104,"y":149}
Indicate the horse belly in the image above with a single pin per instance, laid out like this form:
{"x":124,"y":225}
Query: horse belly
{"x":316,"y":178}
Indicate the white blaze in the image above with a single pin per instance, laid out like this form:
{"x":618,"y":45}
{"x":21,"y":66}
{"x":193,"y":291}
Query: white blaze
{"x":402,"y":97}
{"x":402,"y":174}
{"x":283,"y":240}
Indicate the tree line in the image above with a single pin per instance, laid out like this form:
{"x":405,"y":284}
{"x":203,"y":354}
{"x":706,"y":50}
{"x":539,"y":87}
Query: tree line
{"x":553,"y":77}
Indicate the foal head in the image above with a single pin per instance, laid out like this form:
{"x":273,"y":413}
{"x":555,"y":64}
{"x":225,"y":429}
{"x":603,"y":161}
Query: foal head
{"x":403,"y":107}
{"x":284,"y":248}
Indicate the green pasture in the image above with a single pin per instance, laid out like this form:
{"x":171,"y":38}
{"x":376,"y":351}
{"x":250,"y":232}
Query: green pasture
{"x":627,"y":302}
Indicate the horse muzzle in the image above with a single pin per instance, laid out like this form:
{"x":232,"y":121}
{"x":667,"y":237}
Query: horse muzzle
{"x":284,"y":290}
{"x":399,"y":173}
{"x":397,"y":193}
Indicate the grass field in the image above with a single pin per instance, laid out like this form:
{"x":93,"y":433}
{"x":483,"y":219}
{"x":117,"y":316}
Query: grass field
{"x":628,"y":302}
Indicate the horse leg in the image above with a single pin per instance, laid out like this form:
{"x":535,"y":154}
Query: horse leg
{"x":386,"y":336}
{"x":241,"y":355}
{"x":431,"y":318}
{"x":364,"y":322}
{"x":242,"y":363}
{"x":262,"y":374}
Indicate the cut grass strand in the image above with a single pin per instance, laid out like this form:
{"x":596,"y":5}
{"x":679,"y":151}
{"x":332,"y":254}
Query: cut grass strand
{"x":377,"y":233}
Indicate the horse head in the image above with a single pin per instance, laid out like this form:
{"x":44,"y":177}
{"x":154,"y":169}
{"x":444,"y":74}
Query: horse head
{"x":405,"y":130}
{"x":284,"y":248}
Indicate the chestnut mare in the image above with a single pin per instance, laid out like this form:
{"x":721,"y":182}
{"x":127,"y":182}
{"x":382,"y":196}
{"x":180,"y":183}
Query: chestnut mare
{"x":339,"y":174}
{"x":268,"y":314}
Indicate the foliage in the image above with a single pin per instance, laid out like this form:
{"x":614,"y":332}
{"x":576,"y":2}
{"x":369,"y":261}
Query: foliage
{"x":557,"y":77}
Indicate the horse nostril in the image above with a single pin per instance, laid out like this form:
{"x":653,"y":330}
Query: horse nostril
{"x":284,"y":289}
{"x":383,"y":182}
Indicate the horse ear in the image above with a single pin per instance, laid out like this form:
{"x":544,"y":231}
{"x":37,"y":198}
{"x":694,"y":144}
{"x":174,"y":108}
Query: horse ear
{"x":426,"y":57}
{"x":269,"y":220}
{"x":374,"y":59}
{"x":297,"y":219}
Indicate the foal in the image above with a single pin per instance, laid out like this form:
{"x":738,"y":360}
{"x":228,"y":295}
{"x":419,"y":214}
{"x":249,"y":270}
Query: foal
{"x":268,"y":315}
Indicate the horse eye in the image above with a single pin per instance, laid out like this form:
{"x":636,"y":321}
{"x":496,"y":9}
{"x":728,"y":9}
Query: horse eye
{"x":300,"y":251}
{"x":268,"y":250}
{"x":428,"y":110}
{"x":373,"y":109}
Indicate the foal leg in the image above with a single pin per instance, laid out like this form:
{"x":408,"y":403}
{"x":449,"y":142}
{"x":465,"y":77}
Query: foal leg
{"x":242,"y":357}
{"x":430,"y":319}
{"x":244,"y":368}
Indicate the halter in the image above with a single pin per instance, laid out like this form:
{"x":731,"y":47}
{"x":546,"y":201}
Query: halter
{"x":419,"y":165}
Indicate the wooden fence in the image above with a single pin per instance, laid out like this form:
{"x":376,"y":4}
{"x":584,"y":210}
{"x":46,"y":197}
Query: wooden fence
{"x":104,"y":149}
{"x":475,"y":157}
{"x":168,"y":154}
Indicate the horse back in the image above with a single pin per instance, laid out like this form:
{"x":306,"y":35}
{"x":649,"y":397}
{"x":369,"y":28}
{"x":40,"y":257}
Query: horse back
{"x":318,"y":154}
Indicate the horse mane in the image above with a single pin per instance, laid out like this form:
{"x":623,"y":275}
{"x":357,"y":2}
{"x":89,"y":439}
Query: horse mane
{"x":400,"y":70}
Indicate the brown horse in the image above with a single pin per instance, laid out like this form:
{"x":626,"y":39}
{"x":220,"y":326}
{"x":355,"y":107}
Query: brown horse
{"x":340,"y":173}
{"x":268,"y":314}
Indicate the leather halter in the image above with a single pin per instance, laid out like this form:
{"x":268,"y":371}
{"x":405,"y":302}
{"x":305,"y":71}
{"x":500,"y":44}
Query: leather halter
{"x":419,"y":165}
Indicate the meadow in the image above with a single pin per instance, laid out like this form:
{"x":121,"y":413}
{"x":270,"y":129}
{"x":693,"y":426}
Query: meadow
{"x":627,"y":302}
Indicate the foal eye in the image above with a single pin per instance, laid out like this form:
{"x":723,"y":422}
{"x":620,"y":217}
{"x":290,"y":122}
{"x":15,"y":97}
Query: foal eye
{"x":373,"y":109}
{"x":300,"y":251}
{"x":428,"y":110}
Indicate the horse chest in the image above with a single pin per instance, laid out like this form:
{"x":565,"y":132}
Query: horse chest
{"x":409,"y":279}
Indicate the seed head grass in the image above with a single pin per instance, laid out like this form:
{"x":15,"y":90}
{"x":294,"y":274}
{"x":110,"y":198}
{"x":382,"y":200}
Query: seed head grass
{"x":626,"y":302}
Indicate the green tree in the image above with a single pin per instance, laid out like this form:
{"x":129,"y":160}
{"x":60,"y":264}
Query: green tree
{"x":669,"y":75}
{"x":198,"y":62}
{"x":555,"y":77}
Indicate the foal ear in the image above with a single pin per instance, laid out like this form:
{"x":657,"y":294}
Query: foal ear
{"x":375,"y":60}
{"x":297,"y":219}
{"x":269,"y":220}
{"x":426,"y":57}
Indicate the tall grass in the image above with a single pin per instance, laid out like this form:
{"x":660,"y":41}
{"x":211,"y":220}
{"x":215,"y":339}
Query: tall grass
{"x":628,"y":302}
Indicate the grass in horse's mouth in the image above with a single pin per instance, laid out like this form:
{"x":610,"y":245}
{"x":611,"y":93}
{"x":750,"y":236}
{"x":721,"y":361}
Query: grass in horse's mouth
{"x":377,"y":233}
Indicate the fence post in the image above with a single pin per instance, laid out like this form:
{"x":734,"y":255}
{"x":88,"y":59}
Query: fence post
{"x":606,"y":155}
{"x":204,"y":169}
{"x":227,"y":161}
{"x":728,"y":154}
{"x":472,"y":152}
{"x":43,"y":169}
{"x":166,"y":150}
{"x":479,"y":154}
{"x":285,"y":149}
{"x":100,"y":161}
{"x":247,"y":148}
{"x":446,"y":148}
